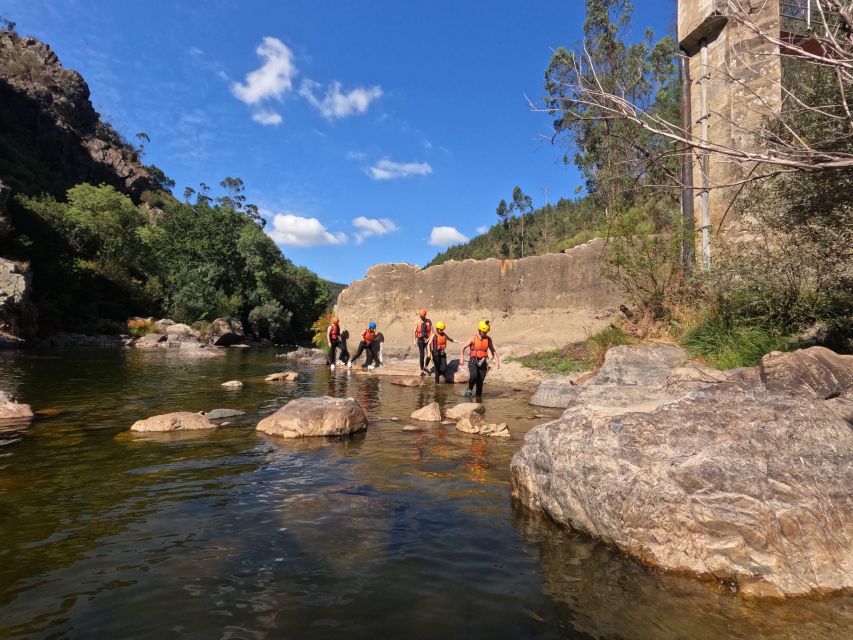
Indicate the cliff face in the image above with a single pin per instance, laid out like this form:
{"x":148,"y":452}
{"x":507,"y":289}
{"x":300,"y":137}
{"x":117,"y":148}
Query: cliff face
{"x":51,"y":137}
{"x":535,"y":303}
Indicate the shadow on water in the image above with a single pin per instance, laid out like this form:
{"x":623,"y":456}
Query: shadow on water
{"x":233,"y":534}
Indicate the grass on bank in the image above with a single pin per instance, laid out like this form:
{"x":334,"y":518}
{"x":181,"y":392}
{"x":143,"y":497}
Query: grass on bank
{"x":576,"y":357}
{"x":726,"y":345}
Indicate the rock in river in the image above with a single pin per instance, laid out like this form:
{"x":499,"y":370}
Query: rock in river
{"x":232,"y":384}
{"x":747,"y":480}
{"x":476,"y":424}
{"x":429,"y":413}
{"x":11,"y":410}
{"x":284,"y":376}
{"x":222,"y":414}
{"x":223,"y":332}
{"x":465,"y":408}
{"x":179,"y":421}
{"x":323,"y":416}
{"x":408,"y":382}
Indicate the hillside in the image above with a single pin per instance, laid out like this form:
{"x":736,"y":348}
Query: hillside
{"x":89,"y":235}
{"x":548,"y":229}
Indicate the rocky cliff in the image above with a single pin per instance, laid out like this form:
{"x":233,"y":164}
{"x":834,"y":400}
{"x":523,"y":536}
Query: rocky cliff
{"x":534,"y":303}
{"x":17,"y":313}
{"x":51,"y":137}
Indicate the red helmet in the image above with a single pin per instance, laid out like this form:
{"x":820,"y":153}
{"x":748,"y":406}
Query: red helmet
{"x":422,"y":313}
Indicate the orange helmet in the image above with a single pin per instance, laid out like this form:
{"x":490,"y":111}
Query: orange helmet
{"x":336,"y":320}
{"x":422,"y":313}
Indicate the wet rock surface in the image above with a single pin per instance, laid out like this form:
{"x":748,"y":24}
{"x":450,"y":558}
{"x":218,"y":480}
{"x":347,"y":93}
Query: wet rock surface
{"x":177,"y":421}
{"x":463,"y":409}
{"x":429,"y":413}
{"x":283,"y":376}
{"x":475,"y":423}
{"x":746,"y":479}
{"x":302,"y":355}
{"x":12,"y":410}
{"x":323,"y":416}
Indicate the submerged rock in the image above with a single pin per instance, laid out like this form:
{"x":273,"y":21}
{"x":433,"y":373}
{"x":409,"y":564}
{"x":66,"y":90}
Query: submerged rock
{"x":476,"y":424}
{"x":284,"y":376}
{"x":232,"y":384}
{"x":323,"y":416}
{"x":222,"y":414}
{"x":150,"y":341}
{"x":746,"y":481}
{"x":178,"y":421}
{"x":408,"y":382}
{"x":464,"y":409}
{"x":429,"y":413}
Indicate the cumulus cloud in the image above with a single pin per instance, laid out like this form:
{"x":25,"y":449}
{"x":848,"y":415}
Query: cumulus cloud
{"x":372,"y":227}
{"x":390,"y":170}
{"x":273,"y":78}
{"x":297,"y":231}
{"x":446,"y":236}
{"x":267,"y":117}
{"x":482,"y":230}
{"x":336,"y":104}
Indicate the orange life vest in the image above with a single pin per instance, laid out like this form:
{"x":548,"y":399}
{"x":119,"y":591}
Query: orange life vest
{"x":479,"y":347}
{"x":423,"y":329}
{"x":439,"y":342}
{"x":368,"y":336}
{"x":334,"y":332}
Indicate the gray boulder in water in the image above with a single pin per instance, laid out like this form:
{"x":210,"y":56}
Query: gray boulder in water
{"x":178,"y":421}
{"x":323,"y":416}
{"x":747,"y":480}
{"x":223,"y":332}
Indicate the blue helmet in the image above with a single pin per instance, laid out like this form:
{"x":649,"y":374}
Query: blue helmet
{"x":372,"y":325}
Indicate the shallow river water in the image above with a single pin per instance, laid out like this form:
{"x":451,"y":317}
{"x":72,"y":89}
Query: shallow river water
{"x":232,"y":534}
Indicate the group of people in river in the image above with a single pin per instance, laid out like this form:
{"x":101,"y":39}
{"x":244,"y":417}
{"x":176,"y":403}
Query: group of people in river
{"x":431,"y":342}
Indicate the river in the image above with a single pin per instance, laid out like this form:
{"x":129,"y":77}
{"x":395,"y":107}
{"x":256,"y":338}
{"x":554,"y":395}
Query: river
{"x":232,"y":534}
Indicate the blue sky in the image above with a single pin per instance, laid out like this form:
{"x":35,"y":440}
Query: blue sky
{"x":367,"y":132}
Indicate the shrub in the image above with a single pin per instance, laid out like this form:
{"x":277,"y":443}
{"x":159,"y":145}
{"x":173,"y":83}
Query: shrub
{"x":320,"y":327}
{"x":271,"y":321}
{"x":598,"y":344}
{"x":568,"y":359}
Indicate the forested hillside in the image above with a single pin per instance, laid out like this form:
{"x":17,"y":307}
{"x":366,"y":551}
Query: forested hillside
{"x":104,"y":238}
{"x":533,"y":232}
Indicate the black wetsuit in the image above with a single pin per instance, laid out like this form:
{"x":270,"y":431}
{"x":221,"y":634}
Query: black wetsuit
{"x":439,"y":360}
{"x":426,"y":327}
{"x":339,"y":345}
{"x":477,"y":370}
{"x":372,"y":351}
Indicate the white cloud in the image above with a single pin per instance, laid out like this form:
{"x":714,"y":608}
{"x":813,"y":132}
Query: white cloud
{"x":267,"y":117}
{"x":272,"y":79}
{"x":389,"y":170}
{"x":482,"y":230}
{"x":336,"y":104}
{"x":291,"y":229}
{"x":356,"y":155}
{"x":372,"y":227}
{"x":446,"y":236}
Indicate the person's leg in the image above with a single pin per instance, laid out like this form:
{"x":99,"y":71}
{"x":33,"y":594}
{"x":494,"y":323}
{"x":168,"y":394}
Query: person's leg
{"x":358,"y":351}
{"x":436,"y":358}
{"x":481,"y":378}
{"x":331,"y":358}
{"x":473,"y":372}
{"x":344,"y":354}
{"x":421,"y":352}
{"x":370,"y":360}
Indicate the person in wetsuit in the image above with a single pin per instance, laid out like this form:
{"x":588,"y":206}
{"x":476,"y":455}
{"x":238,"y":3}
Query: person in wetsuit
{"x":336,"y":342}
{"x":368,"y":338}
{"x":423,"y":333}
{"x":438,"y":349}
{"x":480,"y":346}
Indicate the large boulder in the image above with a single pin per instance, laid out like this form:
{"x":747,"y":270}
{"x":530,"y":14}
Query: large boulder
{"x":182,"y":333}
{"x":429,"y":413}
{"x":150,"y":341}
{"x":13,"y":411}
{"x":178,"y":421}
{"x":17,"y":312}
{"x":302,"y":355}
{"x":747,"y":481}
{"x":633,"y":378}
{"x":323,"y":416}
{"x":223,"y":332}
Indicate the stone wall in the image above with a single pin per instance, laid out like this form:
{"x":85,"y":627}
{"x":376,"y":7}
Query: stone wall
{"x":533,"y":303}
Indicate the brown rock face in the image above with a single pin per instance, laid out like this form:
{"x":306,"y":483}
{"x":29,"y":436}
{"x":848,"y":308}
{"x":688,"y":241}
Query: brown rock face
{"x":429,"y":413}
{"x":322,"y":416}
{"x":533,"y":303}
{"x":746,"y":480}
{"x":179,"y":421}
{"x":48,"y":112}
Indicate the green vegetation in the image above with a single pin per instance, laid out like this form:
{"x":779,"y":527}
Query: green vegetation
{"x":563,"y":225}
{"x":729,"y":346}
{"x":97,"y":256}
{"x":580,"y":356}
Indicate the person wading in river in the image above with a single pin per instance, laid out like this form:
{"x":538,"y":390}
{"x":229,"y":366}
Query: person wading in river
{"x":367,"y":344}
{"x":480,"y":345}
{"x":334,"y":338}
{"x":438,"y":349}
{"x":423,"y":332}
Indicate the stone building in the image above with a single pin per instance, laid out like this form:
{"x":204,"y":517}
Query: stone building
{"x":735,"y":80}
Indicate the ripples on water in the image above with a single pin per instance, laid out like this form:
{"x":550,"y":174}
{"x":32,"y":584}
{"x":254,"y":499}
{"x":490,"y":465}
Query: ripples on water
{"x":231,"y":534}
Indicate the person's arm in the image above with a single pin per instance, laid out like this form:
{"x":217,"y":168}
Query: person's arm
{"x":415,"y":334}
{"x":494,"y":353}
{"x":449,"y":339}
{"x":328,"y":339}
{"x":462,"y":352}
